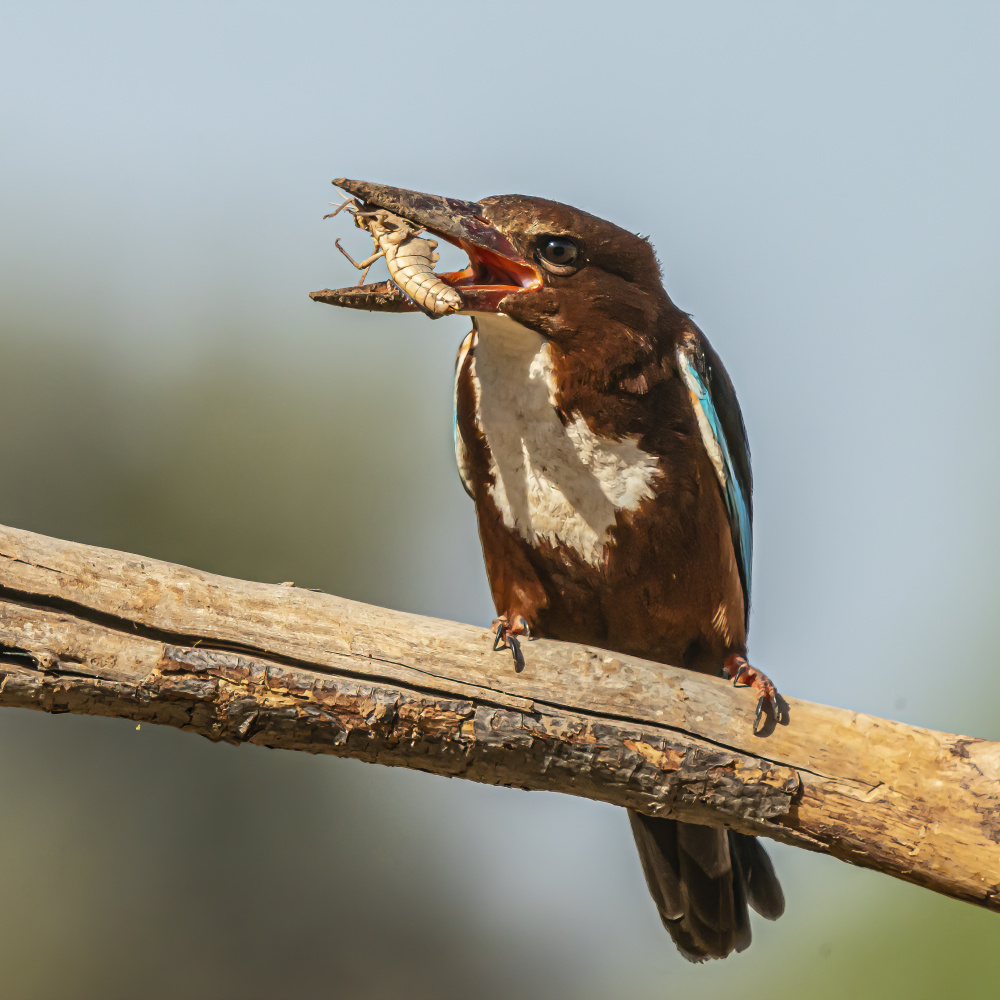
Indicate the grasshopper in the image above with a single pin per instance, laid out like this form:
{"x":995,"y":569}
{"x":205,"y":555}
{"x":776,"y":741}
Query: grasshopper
{"x":409,"y":258}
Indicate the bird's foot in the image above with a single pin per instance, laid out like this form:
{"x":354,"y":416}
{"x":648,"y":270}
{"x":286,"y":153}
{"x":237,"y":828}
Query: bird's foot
{"x":743,"y":675}
{"x":506,"y":630}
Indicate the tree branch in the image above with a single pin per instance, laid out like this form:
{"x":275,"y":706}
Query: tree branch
{"x":92,"y":631}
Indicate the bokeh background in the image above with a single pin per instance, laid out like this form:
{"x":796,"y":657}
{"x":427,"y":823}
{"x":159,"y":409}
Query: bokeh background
{"x":820,"y":181}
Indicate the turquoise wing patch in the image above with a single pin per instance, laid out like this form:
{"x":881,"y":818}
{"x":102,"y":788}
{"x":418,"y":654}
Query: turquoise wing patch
{"x":714,"y":438}
{"x":461,"y":454}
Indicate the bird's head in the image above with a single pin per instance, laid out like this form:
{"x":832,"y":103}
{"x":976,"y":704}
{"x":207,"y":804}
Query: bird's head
{"x":554,"y":269}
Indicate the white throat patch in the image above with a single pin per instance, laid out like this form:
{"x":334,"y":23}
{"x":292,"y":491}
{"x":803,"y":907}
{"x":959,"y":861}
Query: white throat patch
{"x":553,"y":482}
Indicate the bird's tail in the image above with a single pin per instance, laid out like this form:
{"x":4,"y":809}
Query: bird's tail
{"x":701,"y":879}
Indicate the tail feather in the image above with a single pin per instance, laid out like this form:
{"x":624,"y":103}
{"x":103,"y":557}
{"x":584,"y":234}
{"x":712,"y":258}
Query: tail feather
{"x":701,"y":879}
{"x":757,"y":874}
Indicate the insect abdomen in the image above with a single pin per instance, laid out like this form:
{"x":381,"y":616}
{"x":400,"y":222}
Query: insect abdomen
{"x":411,"y":268}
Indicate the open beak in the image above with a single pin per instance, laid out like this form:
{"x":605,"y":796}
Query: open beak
{"x":496,"y":268}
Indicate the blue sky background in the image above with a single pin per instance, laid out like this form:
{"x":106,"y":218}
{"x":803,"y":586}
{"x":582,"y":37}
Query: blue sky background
{"x":820,"y":182}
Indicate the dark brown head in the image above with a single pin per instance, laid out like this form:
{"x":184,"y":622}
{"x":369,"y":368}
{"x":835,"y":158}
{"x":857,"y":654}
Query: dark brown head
{"x":589,"y":271}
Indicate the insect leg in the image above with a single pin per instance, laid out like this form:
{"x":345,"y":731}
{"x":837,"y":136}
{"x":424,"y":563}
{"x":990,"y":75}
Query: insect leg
{"x":363,"y":265}
{"x":340,"y":208}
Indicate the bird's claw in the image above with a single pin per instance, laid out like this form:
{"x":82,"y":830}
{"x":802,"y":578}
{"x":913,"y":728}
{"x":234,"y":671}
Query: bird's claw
{"x":760,"y":711}
{"x":739,"y":670}
{"x":506,"y":636}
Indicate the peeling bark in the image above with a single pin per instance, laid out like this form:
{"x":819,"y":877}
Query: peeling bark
{"x":91,"y":631}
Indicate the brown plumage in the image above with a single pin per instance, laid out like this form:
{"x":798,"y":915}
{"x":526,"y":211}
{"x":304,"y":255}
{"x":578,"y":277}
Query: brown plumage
{"x":668,"y":586}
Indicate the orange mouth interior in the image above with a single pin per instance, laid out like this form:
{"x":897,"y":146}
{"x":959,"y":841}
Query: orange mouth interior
{"x":489,"y":269}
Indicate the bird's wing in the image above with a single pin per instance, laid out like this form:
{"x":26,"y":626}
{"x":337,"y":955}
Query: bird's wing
{"x":725,"y":437}
{"x":461,"y":453}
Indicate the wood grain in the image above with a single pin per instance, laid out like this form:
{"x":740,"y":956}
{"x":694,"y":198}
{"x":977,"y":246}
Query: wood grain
{"x":92,"y":631}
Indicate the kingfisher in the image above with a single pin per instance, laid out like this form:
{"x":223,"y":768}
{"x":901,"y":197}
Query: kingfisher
{"x":602,"y":442}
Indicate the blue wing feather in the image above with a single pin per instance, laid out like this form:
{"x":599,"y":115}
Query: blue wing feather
{"x":461,"y":458}
{"x":715,"y":401}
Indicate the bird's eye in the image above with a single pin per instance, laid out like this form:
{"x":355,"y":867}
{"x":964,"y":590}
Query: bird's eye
{"x":558,"y":254}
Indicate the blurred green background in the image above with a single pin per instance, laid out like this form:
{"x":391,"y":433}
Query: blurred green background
{"x":820,"y":182}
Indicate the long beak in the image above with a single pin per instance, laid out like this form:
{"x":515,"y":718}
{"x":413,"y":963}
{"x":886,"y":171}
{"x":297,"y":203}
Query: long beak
{"x":496,"y":267}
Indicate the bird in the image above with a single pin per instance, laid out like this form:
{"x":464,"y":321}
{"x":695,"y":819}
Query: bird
{"x":601,"y":440}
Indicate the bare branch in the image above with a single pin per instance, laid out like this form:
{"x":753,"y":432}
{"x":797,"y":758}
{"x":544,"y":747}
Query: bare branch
{"x":92,"y":631}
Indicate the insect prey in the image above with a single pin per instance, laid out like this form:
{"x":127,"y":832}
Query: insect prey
{"x":409,"y":257}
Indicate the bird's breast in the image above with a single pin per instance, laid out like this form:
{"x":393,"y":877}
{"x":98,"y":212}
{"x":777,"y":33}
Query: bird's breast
{"x":551,"y":477}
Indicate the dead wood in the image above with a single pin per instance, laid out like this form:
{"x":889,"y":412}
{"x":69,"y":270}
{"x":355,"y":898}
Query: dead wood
{"x":92,"y":631}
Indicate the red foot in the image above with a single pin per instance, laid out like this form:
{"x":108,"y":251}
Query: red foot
{"x":508,"y":628}
{"x":739,"y":670}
